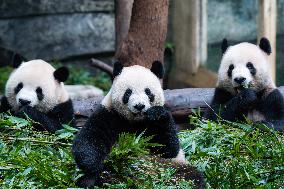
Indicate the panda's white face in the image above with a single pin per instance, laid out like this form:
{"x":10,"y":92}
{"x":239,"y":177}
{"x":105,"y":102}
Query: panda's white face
{"x":33,"y":84}
{"x":134,"y":91}
{"x":242,"y":65}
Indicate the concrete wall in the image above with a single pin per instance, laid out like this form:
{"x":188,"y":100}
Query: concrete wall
{"x":56,"y":29}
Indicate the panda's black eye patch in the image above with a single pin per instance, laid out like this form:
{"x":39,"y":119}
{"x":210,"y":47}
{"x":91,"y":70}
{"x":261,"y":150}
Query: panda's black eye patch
{"x":231,"y":67}
{"x":39,"y":93}
{"x":251,"y":68}
{"x":18,"y":88}
{"x":150,"y":94}
{"x":126,"y":96}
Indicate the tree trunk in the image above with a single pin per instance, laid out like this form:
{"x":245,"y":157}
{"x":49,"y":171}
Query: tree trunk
{"x":147,"y":33}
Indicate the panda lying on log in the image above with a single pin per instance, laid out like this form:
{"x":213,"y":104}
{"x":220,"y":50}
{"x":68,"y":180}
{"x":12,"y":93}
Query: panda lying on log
{"x":134,"y":104}
{"x":36,"y":89}
{"x":245,"y":88}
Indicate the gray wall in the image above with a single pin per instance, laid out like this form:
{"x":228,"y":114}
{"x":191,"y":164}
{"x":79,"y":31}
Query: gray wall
{"x":237,"y":20}
{"x":57,"y":29}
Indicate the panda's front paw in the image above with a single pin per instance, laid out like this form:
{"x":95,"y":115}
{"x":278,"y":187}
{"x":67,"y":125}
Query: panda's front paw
{"x":24,"y":112}
{"x":88,"y":181}
{"x":259,"y":124}
{"x":248,"y":97}
{"x":28,"y":110}
{"x":157,"y":113}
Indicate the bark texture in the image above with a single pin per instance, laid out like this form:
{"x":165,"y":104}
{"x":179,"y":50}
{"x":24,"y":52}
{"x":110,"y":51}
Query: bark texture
{"x":147,"y":33}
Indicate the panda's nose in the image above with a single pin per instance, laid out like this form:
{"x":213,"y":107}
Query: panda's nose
{"x":239,"y":80}
{"x":24,"y":102}
{"x":139,"y":107}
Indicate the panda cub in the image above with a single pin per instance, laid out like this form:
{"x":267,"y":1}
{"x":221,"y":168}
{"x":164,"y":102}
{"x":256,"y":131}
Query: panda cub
{"x":36,"y":89}
{"x":135,"y":103}
{"x":245,"y":88}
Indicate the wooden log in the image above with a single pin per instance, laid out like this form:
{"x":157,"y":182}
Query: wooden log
{"x":101,"y":66}
{"x":267,"y":15}
{"x":180,"y":101}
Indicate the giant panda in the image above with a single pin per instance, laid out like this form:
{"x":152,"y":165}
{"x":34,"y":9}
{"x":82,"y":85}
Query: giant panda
{"x":35,"y":89}
{"x":245,"y":88}
{"x":135,"y":103}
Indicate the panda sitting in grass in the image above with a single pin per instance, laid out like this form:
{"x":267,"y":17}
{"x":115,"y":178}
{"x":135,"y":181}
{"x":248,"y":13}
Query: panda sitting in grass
{"x":134,"y":104}
{"x":35,"y":89}
{"x":245,"y":88}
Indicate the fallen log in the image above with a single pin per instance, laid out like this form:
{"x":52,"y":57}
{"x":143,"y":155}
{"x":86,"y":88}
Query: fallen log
{"x":180,"y":101}
{"x":101,"y":66}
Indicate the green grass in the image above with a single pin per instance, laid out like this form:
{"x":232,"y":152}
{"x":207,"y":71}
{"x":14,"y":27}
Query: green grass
{"x":4,"y":75}
{"x":30,"y":159}
{"x":231,"y":155}
{"x":235,"y":155}
{"x":83,"y":76}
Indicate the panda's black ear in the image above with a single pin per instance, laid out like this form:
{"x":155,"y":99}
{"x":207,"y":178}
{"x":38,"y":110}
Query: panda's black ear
{"x":224,"y":45}
{"x":61,"y":74}
{"x":17,"y":60}
{"x":264,"y":45}
{"x":158,"y":69}
{"x":117,"y":68}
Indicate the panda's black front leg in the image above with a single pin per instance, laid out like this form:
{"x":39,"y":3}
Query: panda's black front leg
{"x":230,"y":107}
{"x":93,"y":143}
{"x":4,"y":105}
{"x":277,"y":125}
{"x":239,"y":105}
{"x":44,"y":122}
{"x":163,"y":129}
{"x":272,"y":107}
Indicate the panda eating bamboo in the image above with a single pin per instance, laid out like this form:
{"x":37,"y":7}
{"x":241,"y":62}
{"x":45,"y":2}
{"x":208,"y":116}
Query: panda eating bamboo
{"x":245,"y":88}
{"x":35,"y":89}
{"x":134,"y":104}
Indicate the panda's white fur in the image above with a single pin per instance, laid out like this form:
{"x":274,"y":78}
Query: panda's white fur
{"x":180,"y":159}
{"x":239,"y":55}
{"x":136,"y":78}
{"x":33,"y":74}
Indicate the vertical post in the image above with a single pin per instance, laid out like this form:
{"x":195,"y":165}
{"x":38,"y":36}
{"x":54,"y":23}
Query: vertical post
{"x":190,"y":33}
{"x":190,"y":39}
{"x":267,"y":13}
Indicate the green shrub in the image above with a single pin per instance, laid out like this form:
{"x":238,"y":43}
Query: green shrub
{"x":30,"y":159}
{"x":235,"y":155}
{"x":4,"y":75}
{"x":81,"y":75}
